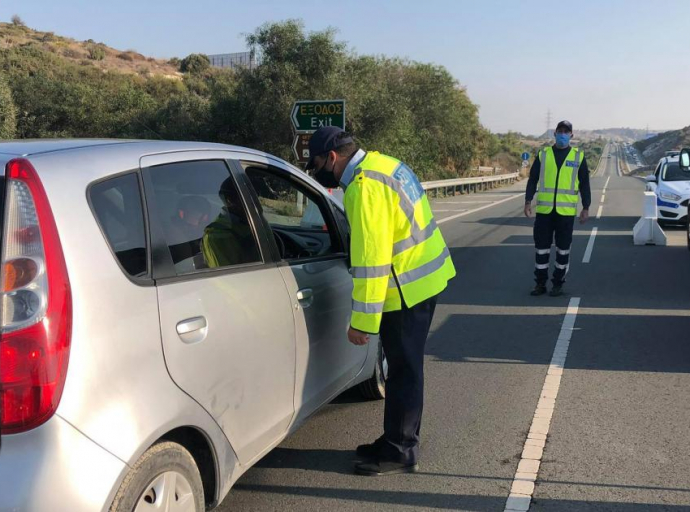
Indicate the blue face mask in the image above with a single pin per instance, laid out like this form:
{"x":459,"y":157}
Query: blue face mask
{"x":562,"y":140}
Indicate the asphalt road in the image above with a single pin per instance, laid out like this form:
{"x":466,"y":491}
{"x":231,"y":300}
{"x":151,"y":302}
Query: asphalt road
{"x":619,"y":436}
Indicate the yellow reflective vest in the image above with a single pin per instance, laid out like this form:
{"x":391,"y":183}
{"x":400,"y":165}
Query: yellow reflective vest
{"x":564,"y":193}
{"x":396,"y":249}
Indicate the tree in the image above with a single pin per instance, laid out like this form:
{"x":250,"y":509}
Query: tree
{"x":195,"y":64}
{"x":8,"y":111}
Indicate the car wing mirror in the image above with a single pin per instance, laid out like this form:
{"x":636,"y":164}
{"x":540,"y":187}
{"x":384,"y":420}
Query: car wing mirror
{"x":650,"y":179}
{"x":685,"y":160}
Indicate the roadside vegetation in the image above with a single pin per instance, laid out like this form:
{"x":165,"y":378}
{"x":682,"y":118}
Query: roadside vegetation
{"x":51,"y":86}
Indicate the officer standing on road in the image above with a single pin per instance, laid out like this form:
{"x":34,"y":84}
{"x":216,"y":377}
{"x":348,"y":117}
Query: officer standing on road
{"x":558,"y":174}
{"x":400,"y":264}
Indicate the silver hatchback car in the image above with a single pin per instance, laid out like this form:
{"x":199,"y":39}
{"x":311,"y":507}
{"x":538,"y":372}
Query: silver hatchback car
{"x":170,"y":312}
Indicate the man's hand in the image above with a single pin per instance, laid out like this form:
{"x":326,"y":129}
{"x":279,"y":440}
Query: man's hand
{"x":528,"y":209}
{"x":584,"y":216}
{"x":357,"y":337}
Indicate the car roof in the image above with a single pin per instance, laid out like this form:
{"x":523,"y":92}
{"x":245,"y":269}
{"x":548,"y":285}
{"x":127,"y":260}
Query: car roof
{"x":33,"y":147}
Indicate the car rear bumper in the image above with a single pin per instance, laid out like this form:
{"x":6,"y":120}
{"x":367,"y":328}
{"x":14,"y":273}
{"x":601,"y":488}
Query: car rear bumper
{"x":56,"y":468}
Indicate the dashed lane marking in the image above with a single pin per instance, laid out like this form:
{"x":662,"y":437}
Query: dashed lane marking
{"x":522,"y":489}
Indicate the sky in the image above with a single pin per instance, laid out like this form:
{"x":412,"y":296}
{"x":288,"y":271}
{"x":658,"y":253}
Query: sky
{"x":597,"y":63}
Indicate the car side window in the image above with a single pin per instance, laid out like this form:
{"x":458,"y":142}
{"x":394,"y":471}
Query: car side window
{"x":204,"y":220}
{"x":117,"y":204}
{"x":657,"y":173}
{"x":297,"y":216}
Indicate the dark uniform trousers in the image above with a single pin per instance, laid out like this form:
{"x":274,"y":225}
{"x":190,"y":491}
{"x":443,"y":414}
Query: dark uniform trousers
{"x":546,"y":228}
{"x":403,"y":338}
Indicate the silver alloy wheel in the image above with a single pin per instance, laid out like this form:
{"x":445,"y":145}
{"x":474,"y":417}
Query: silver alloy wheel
{"x":168,"y":492}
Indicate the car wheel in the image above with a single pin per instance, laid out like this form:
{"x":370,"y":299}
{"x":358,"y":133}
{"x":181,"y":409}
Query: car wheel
{"x":375,"y":387}
{"x":166,"y":478}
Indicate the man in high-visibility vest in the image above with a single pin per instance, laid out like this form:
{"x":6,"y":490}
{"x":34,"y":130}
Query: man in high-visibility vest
{"x":558,"y":176}
{"x":400,"y":264}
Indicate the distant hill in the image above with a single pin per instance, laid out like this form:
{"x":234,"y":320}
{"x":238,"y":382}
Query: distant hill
{"x":616,"y":134}
{"x":655,"y":148}
{"x":87,"y":53}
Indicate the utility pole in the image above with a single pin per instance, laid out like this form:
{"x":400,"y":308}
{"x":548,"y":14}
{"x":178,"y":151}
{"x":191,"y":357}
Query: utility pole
{"x":548,"y":121}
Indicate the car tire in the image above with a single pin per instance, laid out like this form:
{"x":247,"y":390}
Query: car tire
{"x":164,"y":471}
{"x":374,"y":388}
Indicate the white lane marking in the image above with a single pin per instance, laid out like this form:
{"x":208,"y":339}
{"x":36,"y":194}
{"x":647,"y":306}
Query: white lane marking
{"x":607,"y":183}
{"x":603,"y":198}
{"x":495,"y":203}
{"x":446,"y":211}
{"x":461,"y":202}
{"x":528,"y":468}
{"x":590,"y":246}
{"x":601,"y":208}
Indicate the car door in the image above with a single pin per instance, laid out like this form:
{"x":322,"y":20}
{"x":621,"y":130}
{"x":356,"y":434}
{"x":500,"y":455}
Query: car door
{"x":315,"y":267}
{"x":225,"y":313}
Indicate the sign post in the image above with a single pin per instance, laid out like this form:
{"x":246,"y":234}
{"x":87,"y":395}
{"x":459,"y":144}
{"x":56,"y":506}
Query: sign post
{"x":308,"y":116}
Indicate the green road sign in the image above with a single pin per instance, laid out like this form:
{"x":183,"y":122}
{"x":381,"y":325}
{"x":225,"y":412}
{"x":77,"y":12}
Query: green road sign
{"x":309,"y":116}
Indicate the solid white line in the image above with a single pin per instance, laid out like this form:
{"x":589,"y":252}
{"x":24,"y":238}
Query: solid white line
{"x":590,"y":246}
{"x":528,"y":468}
{"x":601,"y":208}
{"x":453,"y":217}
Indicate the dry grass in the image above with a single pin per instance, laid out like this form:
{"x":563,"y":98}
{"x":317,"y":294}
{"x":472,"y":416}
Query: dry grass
{"x":128,"y":61}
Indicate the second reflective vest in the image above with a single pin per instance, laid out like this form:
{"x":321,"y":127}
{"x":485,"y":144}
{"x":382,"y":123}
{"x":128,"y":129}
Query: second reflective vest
{"x":396,"y":247}
{"x":564,"y":194}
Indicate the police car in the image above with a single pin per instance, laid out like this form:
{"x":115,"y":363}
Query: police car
{"x":672,"y":188}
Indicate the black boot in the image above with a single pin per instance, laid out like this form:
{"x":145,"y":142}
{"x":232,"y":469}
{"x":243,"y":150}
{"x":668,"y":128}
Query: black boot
{"x":540,"y":289}
{"x":556,"y":290}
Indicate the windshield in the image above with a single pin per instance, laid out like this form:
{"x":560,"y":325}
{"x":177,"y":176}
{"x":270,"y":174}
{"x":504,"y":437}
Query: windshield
{"x":672,"y":172}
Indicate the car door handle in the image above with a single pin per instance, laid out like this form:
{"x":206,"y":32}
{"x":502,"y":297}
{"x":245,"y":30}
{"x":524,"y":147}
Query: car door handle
{"x":191,"y":326}
{"x":305,"y":297}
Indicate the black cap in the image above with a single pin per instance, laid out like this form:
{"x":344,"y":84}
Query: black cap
{"x":325,"y":139}
{"x":565,"y":124}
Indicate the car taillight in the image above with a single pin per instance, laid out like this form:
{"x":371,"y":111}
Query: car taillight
{"x":36,"y":315}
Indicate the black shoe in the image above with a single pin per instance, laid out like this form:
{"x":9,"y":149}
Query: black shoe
{"x":369,"y":451}
{"x":383,"y":468}
{"x":540,"y":289}
{"x":556,"y":291}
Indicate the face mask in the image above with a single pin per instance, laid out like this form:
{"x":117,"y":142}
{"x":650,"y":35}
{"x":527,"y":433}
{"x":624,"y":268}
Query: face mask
{"x":326,"y":178}
{"x":562,"y":140}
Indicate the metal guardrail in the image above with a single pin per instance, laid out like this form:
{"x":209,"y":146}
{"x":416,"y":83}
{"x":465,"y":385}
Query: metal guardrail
{"x":466,"y":185}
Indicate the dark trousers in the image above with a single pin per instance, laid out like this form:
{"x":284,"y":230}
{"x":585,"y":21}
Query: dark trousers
{"x":403,"y":337}
{"x":546,"y":228}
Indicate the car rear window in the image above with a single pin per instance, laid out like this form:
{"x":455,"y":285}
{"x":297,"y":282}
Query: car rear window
{"x":117,"y":205}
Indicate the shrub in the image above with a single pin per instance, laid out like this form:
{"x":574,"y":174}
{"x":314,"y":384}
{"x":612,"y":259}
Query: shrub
{"x":17,"y":21}
{"x":48,"y":37}
{"x":96,"y":53}
{"x":8,"y":112}
{"x":125,"y":56}
{"x":195,"y":64}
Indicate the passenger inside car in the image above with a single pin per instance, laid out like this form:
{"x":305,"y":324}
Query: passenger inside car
{"x":186,"y":229}
{"x":225,"y":237}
